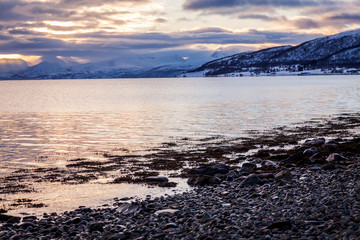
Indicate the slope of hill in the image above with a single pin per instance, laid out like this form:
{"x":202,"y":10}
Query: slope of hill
{"x":340,"y":50}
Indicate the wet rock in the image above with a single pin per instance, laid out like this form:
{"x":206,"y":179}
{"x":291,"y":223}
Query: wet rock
{"x":329,"y":166}
{"x":167,"y":212}
{"x":203,"y":180}
{"x":97,"y":226}
{"x":170,"y":225}
{"x":157,"y":179}
{"x":206,"y":217}
{"x":244,"y":171}
{"x":332,"y":143}
{"x":335,"y":157}
{"x":284,"y":175}
{"x":268,"y":163}
{"x":248,"y":165}
{"x":128,"y":208}
{"x":251,"y":180}
{"x":310,"y":151}
{"x":297,"y":157}
{"x":26,"y":225}
{"x":316,"y":157}
{"x":75,"y":220}
{"x":266,"y":175}
{"x":15,"y":237}
{"x":6,"y":218}
{"x":263,"y":153}
{"x":232,"y":175}
{"x":315,"y":142}
{"x":113,"y":236}
{"x":212,"y":170}
{"x":281,"y":225}
{"x":29,"y":218}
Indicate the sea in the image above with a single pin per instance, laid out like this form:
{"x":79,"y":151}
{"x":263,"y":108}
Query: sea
{"x":46,"y":123}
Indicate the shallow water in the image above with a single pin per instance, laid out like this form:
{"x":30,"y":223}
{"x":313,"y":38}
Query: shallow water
{"x":44,"y":123}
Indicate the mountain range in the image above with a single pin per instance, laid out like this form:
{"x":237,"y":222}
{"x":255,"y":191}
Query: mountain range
{"x":340,"y":50}
{"x":336,"y":51}
{"x":151,"y":65}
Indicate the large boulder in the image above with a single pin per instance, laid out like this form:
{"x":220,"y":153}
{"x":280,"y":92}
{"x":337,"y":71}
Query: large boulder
{"x":203,"y":180}
{"x":314,"y":142}
{"x":336,"y":157}
{"x":250,"y":180}
{"x":212,"y":170}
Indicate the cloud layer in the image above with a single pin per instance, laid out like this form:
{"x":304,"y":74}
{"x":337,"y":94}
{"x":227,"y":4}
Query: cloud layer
{"x":94,"y":30}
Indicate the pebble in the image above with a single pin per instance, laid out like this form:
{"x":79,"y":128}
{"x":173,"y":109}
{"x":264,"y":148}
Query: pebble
{"x":336,"y":157}
{"x":315,"y":201}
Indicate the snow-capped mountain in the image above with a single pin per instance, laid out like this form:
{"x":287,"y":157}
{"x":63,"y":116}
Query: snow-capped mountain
{"x":340,"y":50}
{"x":126,"y":66}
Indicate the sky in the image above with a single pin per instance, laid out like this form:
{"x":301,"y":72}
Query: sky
{"x":92,"y":30}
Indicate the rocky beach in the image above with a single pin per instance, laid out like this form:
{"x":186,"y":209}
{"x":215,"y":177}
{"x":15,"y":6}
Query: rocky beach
{"x":293,"y":182}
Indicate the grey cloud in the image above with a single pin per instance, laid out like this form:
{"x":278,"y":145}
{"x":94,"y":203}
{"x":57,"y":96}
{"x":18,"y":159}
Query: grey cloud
{"x":257,"y":16}
{"x":41,"y":10}
{"x":306,"y":23}
{"x":7,"y":12}
{"x":160,"y":20}
{"x":20,"y":32}
{"x":210,"y":4}
{"x":106,"y":45}
{"x":209,"y":30}
{"x":5,"y":37}
{"x":97,"y":2}
{"x":345,"y":16}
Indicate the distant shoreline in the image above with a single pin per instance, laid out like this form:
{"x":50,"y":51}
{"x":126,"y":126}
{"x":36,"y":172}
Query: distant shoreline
{"x":300,"y":74}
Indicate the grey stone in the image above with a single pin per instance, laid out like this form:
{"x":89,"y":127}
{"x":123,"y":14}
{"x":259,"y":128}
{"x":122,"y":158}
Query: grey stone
{"x":212,"y":170}
{"x":167,"y":212}
{"x":248,"y":165}
{"x":283,"y":175}
{"x":251,"y":180}
{"x":310,"y":151}
{"x":203,"y":180}
{"x":128,"y":208}
{"x":315,"y":142}
{"x":97,"y":226}
{"x":335,"y":157}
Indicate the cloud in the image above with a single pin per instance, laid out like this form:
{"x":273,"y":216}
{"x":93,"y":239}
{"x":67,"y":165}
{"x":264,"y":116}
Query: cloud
{"x":8,"y":13}
{"x":212,"y":4}
{"x":51,"y":11}
{"x":160,"y":20}
{"x":305,"y":23}
{"x":345,"y":16}
{"x":20,"y":32}
{"x":98,"y":3}
{"x":108,"y":43}
{"x":257,"y":16}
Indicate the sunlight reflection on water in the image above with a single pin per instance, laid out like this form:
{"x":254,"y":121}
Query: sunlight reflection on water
{"x":45,"y":123}
{"x":63,"y":119}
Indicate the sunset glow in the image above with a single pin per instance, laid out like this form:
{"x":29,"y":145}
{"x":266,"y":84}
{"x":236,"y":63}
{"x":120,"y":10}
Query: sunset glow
{"x":95,"y":30}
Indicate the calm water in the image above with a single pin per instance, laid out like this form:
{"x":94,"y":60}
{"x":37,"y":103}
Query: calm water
{"x":47,"y":122}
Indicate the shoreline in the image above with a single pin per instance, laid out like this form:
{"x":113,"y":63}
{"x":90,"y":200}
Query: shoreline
{"x":288,"y":182}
